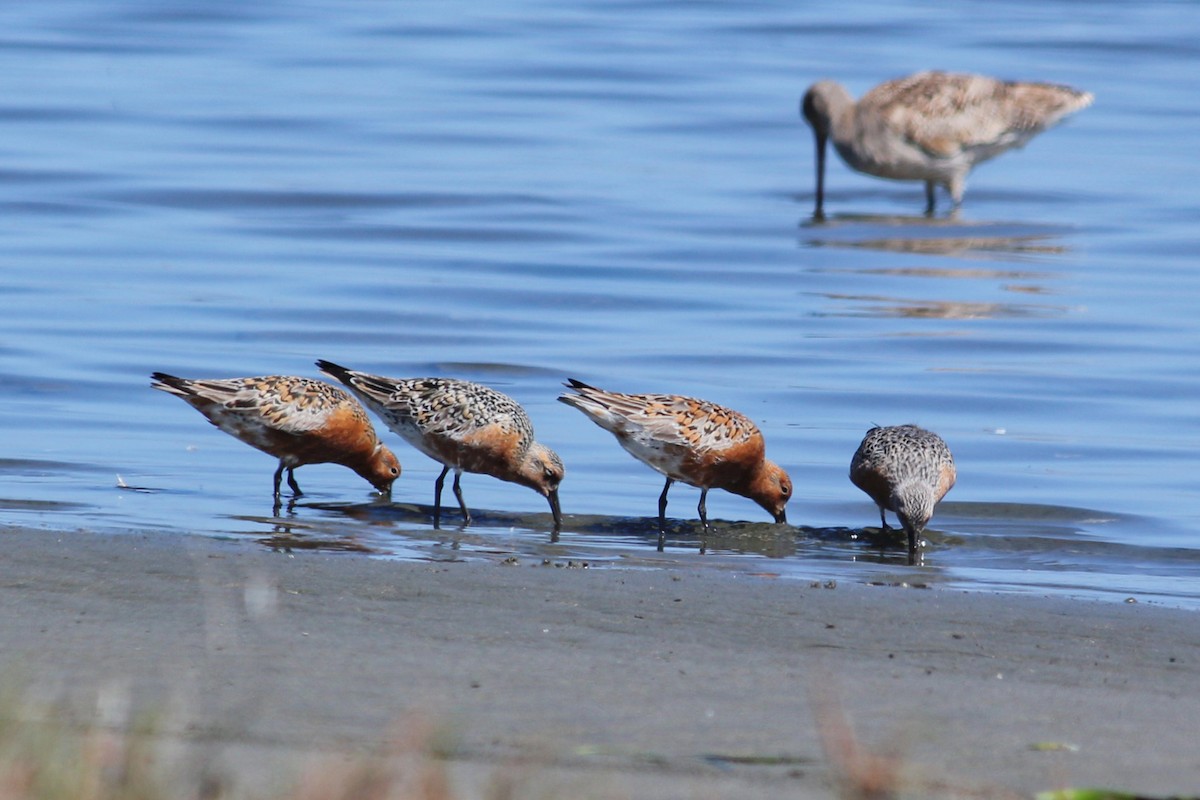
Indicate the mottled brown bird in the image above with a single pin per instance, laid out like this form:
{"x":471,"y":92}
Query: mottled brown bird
{"x":931,"y":126}
{"x":463,"y":426}
{"x":297,"y":420}
{"x":694,"y":441}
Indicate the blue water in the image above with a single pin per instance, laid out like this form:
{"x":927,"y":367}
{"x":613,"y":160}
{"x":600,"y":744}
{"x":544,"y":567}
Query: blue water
{"x":621,"y":192}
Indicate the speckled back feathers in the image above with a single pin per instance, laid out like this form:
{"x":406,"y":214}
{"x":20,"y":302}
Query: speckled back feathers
{"x":903,"y":452}
{"x":666,"y":419}
{"x":280,"y":402}
{"x":944,"y":112}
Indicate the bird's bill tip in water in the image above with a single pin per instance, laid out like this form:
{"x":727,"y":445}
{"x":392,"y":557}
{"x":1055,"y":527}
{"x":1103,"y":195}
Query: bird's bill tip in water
{"x":555,"y":511}
{"x":781,"y":517}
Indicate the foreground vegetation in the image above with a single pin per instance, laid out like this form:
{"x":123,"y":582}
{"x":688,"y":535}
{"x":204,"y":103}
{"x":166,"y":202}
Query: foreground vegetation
{"x":45,"y":754}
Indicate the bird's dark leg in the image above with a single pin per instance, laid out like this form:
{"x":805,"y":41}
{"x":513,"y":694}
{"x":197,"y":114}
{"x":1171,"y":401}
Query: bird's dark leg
{"x":458,"y":496}
{"x":883,"y":526}
{"x":292,"y":482}
{"x":930,"y":200}
{"x":662,"y":515}
{"x":278,"y":478}
{"x":703,"y":509}
{"x":437,"y":496}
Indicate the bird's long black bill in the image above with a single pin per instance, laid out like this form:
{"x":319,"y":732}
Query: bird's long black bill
{"x":819,"y":211}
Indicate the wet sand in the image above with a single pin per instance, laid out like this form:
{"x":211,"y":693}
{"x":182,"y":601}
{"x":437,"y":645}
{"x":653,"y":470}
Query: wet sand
{"x":599,"y":682}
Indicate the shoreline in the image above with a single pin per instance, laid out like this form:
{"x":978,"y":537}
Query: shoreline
{"x":677,"y":682}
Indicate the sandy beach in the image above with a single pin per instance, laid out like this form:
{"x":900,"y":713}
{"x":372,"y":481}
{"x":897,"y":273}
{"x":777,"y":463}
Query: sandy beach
{"x":682,"y":683}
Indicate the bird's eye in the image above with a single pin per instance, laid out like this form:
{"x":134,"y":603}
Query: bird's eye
{"x":786,"y":490}
{"x":395,"y":471}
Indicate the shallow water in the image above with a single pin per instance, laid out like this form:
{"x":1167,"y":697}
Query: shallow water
{"x":619,"y":192}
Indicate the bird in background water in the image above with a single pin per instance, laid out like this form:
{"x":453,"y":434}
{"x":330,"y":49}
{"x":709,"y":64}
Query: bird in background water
{"x":462,"y":425}
{"x":904,"y":469}
{"x":297,"y":420}
{"x":694,"y":441}
{"x":931,"y":126}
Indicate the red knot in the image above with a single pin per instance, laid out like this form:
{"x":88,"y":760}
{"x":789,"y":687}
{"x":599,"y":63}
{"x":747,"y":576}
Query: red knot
{"x":297,"y":420}
{"x":463,"y":426}
{"x":694,"y":441}
{"x":931,"y":126}
{"x":904,"y":469}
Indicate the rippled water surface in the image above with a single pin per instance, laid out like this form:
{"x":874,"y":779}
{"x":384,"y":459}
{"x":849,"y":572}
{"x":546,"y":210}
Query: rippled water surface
{"x":620,"y":192}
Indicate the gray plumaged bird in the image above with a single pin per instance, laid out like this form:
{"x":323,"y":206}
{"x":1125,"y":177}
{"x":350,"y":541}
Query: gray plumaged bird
{"x":904,"y":469}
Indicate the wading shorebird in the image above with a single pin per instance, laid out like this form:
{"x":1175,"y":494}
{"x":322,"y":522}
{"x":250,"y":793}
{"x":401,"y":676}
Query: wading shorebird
{"x":463,"y":426}
{"x":297,"y":420}
{"x":904,"y":469}
{"x":931,"y":126}
{"x":694,"y":441}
